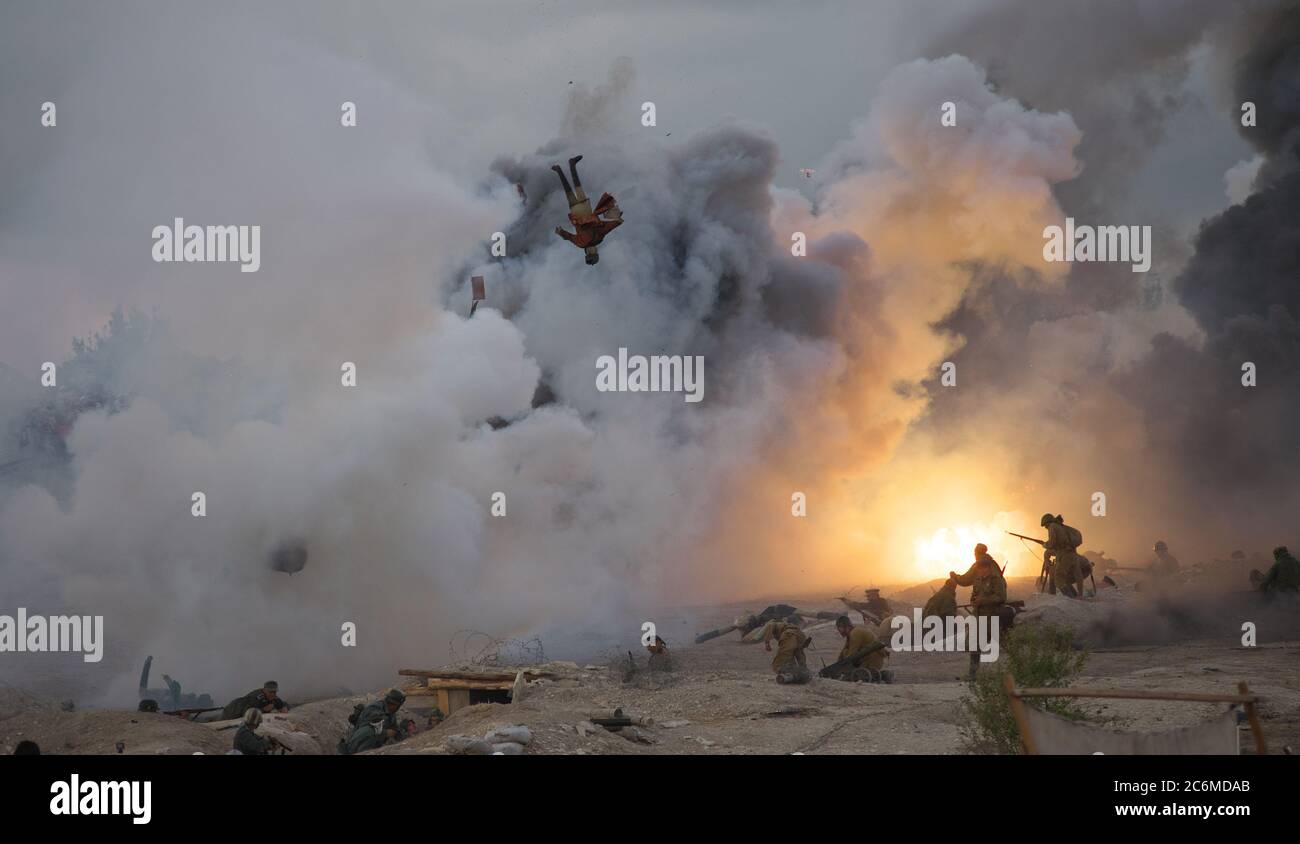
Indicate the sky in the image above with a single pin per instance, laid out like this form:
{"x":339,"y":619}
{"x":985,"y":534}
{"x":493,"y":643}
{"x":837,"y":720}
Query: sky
{"x":822,"y":369}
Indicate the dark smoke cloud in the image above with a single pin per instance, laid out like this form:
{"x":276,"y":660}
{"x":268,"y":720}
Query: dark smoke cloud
{"x":1241,"y":286}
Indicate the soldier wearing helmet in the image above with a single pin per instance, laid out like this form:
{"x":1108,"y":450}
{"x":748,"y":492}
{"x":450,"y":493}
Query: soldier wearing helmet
{"x":1164,"y":564}
{"x":1060,"y":553}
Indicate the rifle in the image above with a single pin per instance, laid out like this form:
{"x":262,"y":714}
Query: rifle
{"x":1020,"y":605}
{"x":1046,"y":571}
{"x":848,"y":663}
{"x":191,"y":714}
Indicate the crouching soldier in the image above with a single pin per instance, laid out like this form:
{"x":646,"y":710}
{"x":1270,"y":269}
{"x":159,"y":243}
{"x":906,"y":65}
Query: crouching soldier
{"x":789,"y":664}
{"x":377,"y":725}
{"x":247,"y":741}
{"x":867,"y":668}
{"x":1284,"y":576}
{"x":943,"y":603}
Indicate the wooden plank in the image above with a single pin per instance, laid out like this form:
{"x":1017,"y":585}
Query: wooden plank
{"x":452,"y":685}
{"x":1138,"y":694}
{"x":1261,"y":747}
{"x":455,"y":700}
{"x":474,"y":675}
{"x":1018,"y":710}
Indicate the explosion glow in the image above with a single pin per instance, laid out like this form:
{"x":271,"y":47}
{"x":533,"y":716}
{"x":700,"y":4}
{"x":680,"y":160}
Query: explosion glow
{"x":952,"y":549}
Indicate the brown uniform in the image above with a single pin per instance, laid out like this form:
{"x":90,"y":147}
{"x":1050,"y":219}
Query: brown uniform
{"x":1067,"y":570}
{"x":1164,"y":564}
{"x":791,"y":642}
{"x":590,"y":228}
{"x":859,"y":638}
{"x":988,"y":586}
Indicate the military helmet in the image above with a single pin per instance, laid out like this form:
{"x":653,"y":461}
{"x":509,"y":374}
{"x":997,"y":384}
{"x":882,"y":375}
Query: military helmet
{"x":981,"y":548}
{"x":1047,"y":519}
{"x":1161,"y":546}
{"x":395,"y":696}
{"x":271,"y":686}
{"x":1280,"y":551}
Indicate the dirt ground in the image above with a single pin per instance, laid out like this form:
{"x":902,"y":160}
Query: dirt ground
{"x":720,"y":698}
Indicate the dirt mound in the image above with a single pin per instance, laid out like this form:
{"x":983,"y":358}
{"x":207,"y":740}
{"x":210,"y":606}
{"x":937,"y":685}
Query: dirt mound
{"x":15,"y":701}
{"x":98,"y":732}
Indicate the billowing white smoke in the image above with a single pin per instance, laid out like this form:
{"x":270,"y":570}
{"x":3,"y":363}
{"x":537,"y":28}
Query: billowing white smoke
{"x":614,"y":501}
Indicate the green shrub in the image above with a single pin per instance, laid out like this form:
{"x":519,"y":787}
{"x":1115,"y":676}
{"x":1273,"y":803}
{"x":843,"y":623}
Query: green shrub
{"x":1036,"y":656}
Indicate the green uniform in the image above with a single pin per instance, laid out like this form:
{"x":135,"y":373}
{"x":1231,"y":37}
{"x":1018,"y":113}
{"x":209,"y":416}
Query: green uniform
{"x":255,"y":699}
{"x":250,"y":743}
{"x":1284,"y":576}
{"x":942,"y":603}
{"x":372,"y":728}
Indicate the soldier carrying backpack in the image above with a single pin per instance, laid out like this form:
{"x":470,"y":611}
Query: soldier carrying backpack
{"x":1069,"y":569}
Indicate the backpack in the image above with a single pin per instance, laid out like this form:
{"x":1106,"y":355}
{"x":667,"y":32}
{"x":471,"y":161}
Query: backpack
{"x":1076,"y":537}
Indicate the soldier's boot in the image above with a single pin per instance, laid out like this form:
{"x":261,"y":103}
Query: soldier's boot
{"x":577,"y":183}
{"x":568,"y":191}
{"x":793,"y":675}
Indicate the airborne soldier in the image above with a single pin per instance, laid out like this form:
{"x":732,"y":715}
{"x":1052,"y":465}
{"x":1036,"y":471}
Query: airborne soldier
{"x":589,"y":225}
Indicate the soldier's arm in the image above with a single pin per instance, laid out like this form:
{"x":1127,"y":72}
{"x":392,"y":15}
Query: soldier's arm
{"x":966,"y":579}
{"x":572,"y":238}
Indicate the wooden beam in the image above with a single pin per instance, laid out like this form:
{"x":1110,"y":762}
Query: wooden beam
{"x":1018,"y":710}
{"x":467,"y":685}
{"x":1252,"y":716}
{"x":458,"y":687}
{"x":1138,"y":694}
{"x":474,"y":675}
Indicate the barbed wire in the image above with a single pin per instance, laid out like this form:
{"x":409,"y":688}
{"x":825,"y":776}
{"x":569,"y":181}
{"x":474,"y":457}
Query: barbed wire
{"x":478,"y":648}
